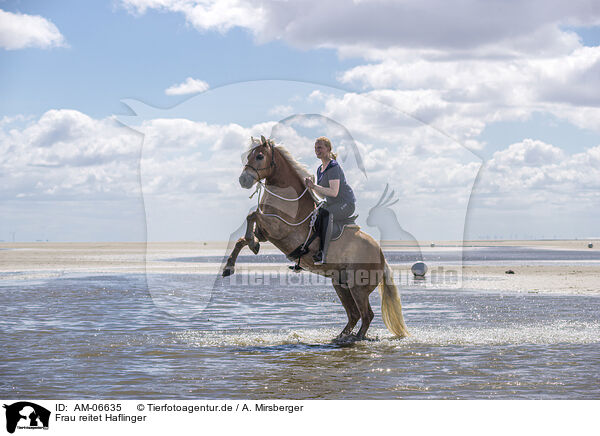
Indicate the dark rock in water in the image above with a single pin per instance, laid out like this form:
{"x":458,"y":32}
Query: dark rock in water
{"x":419,"y":269}
{"x":510,"y":271}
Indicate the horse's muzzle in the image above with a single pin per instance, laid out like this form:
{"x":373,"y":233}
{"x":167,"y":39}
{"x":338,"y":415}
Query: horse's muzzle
{"x":246,"y":180}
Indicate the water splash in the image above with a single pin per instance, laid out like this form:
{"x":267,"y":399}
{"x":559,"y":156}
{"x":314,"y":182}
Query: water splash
{"x":553,"y":333}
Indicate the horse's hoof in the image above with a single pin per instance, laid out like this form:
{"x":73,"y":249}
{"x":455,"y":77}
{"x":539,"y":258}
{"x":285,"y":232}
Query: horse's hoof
{"x":345,"y":338}
{"x":227,"y":272}
{"x":254,"y":247}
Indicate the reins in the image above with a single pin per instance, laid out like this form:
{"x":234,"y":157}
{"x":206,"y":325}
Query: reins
{"x":260,"y":186}
{"x":312,"y":215}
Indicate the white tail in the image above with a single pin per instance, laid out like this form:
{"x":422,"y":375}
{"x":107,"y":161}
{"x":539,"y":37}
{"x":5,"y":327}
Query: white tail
{"x":391,"y":307}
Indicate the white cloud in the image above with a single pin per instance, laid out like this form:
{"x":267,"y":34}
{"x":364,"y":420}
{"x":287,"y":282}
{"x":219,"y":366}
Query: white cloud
{"x":531,"y":26}
{"x":189,"y":86}
{"x":281,"y":110}
{"x":458,"y":68}
{"x":219,"y":15}
{"x":463,"y":96}
{"x":533,"y":172}
{"x":18,"y":31}
{"x":66,"y":154}
{"x":191,"y":165}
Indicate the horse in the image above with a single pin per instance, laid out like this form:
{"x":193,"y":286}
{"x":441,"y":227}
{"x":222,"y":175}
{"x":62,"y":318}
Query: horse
{"x":355,"y":261}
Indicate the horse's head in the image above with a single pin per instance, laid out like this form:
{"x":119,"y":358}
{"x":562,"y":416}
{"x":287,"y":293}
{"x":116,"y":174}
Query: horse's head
{"x":260,"y":162}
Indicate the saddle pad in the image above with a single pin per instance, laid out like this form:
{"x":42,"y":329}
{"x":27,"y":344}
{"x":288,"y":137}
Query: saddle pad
{"x":338,"y":229}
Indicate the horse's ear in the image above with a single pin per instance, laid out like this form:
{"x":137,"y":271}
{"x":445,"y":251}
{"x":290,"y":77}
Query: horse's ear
{"x":263,"y":140}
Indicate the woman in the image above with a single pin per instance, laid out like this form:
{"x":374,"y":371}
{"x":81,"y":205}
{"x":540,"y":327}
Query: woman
{"x":340,"y":200}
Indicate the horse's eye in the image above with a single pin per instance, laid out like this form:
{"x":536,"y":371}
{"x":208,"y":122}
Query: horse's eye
{"x":260,"y":156}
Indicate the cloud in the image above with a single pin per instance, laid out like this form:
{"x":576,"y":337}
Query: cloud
{"x":458,"y":68}
{"x":220,"y":15}
{"x":281,"y":110}
{"x":463,"y":96}
{"x":530,"y":173}
{"x":532,"y":26}
{"x":66,"y":154}
{"x":18,"y":31}
{"x":189,"y":86}
{"x":187,"y":168}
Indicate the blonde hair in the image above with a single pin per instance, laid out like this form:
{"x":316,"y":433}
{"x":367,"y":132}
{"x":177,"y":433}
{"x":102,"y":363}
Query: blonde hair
{"x":327,"y":143}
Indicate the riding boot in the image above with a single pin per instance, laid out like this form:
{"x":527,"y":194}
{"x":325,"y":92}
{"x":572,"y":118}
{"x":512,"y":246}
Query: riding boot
{"x":324,"y":238}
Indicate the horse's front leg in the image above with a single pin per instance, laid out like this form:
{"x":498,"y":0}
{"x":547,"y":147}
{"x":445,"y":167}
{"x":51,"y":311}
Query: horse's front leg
{"x":250,"y":237}
{"x":230,"y":265}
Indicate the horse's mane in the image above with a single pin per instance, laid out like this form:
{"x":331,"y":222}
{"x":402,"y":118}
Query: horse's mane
{"x":297,"y":166}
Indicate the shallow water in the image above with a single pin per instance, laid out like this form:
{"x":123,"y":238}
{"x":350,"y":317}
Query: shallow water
{"x":105,"y":337}
{"x":469,"y":255}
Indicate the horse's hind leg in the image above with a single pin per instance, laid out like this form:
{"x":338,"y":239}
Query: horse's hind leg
{"x":351,"y":310}
{"x":360,"y":294}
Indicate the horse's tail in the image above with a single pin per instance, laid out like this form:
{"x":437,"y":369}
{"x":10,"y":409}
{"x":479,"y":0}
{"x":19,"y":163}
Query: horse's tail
{"x":391,"y":307}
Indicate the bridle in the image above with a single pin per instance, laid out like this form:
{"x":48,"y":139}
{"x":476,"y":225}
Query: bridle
{"x":260,"y":186}
{"x":272,"y":165}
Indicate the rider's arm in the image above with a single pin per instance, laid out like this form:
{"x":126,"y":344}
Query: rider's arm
{"x":331,"y":191}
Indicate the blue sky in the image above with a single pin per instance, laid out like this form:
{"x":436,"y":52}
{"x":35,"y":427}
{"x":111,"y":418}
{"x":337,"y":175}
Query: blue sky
{"x":113,"y":54}
{"x":496,"y":90}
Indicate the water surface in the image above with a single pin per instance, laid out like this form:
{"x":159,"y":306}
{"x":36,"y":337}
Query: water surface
{"x":103,"y":336}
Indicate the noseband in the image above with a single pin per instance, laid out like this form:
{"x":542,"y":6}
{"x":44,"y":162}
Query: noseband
{"x":271,"y":165}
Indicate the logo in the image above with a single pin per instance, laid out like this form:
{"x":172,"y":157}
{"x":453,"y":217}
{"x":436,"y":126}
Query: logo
{"x":26,"y":415}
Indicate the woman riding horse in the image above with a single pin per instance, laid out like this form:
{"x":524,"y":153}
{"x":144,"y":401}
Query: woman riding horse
{"x":340,"y":199}
{"x":356,"y":265}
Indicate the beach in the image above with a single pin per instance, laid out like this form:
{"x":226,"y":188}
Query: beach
{"x":48,"y":259}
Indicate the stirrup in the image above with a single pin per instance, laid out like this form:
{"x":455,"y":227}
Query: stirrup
{"x":298,"y":252}
{"x":318,"y":258}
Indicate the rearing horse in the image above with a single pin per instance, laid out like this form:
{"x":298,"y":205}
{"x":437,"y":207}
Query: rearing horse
{"x":355,"y":261}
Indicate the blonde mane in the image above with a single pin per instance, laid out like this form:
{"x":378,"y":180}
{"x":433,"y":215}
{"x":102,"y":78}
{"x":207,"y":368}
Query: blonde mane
{"x":297,"y":166}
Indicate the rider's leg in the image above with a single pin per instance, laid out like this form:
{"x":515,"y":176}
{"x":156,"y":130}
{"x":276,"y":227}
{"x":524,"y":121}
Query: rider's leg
{"x":324,"y":238}
{"x":327,"y":214}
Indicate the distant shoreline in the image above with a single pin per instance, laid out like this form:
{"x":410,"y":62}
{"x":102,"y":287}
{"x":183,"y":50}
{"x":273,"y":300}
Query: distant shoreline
{"x":446,"y":243}
{"x":55,"y":259}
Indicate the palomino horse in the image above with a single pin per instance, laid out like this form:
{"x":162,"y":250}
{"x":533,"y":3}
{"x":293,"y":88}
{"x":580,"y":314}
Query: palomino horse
{"x":355,"y":261}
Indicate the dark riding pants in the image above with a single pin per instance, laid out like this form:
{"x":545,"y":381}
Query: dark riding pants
{"x":339,"y":211}
{"x":327,"y":215}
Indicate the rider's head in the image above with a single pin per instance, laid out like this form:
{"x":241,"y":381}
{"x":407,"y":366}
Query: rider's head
{"x":323,"y":148}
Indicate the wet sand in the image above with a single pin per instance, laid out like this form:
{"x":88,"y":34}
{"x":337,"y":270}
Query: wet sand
{"x":41,"y":260}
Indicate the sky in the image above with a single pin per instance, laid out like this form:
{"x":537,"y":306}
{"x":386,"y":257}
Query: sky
{"x":126,"y":120}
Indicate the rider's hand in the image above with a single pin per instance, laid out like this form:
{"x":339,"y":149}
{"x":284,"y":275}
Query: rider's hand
{"x":308,"y":181}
